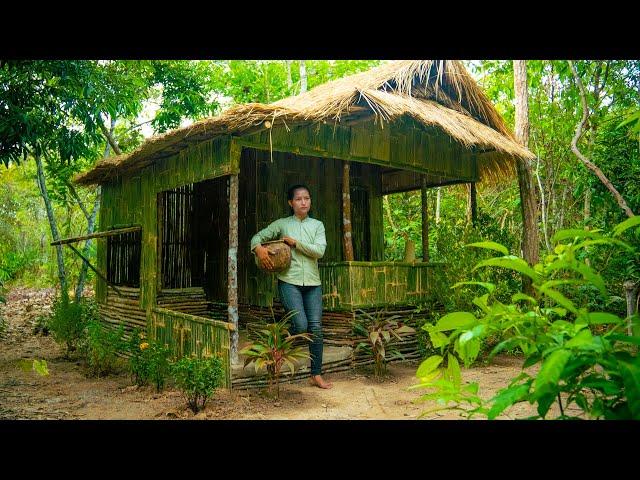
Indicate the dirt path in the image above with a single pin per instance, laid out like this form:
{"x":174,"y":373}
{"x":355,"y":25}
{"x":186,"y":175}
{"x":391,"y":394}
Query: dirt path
{"x":67,"y":393}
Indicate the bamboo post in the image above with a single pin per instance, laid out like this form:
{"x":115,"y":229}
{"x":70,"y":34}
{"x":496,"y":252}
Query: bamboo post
{"x":232,"y":260}
{"x":425,"y":221}
{"x":346,"y":214}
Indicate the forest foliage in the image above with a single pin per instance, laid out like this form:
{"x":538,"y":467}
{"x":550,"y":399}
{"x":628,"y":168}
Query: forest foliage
{"x":63,"y":112}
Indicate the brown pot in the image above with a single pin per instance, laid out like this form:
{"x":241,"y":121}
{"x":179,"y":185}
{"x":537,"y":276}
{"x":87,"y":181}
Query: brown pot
{"x":280,"y":254}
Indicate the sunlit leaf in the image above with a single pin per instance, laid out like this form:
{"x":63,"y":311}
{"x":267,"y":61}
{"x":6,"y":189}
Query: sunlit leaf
{"x":490,"y":246}
{"x":429,"y":365}
{"x":453,"y":321}
{"x":512,"y":263}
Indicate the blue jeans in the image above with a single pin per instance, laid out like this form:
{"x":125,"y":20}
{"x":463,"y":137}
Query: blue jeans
{"x":307,"y":301}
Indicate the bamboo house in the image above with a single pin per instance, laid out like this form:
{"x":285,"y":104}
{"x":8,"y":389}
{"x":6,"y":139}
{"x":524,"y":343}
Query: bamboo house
{"x":177,"y":214}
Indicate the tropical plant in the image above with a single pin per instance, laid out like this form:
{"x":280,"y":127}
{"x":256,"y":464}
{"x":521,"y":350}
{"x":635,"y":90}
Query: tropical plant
{"x":198,"y":379}
{"x":382,"y":335}
{"x":586,"y":361}
{"x":148,"y":361}
{"x":275,"y":347}
{"x":103,"y":347}
{"x":68,"y":322}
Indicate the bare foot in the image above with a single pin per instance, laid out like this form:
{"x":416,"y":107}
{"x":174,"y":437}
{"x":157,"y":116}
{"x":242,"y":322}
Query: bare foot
{"x":317,"y":381}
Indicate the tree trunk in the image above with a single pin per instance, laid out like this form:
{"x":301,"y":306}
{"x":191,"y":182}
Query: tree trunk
{"x":588,"y":163}
{"x":530,"y":248}
{"x":346,"y":214}
{"x":303,"y":76}
{"x":62,"y":275}
{"x":425,"y":221}
{"x":289,"y":80}
{"x":472,"y":204}
{"x":232,"y":259}
{"x":91,"y":220}
{"x":631,"y":293}
{"x":438,"y":200}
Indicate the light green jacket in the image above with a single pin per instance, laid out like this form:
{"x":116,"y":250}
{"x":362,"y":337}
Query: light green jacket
{"x":310,"y":246}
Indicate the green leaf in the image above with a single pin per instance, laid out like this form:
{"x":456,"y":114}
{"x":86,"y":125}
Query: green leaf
{"x":489,"y":286}
{"x":550,"y":371}
{"x":40,"y":367}
{"x":507,"y":397}
{"x":561,"y":299}
{"x":545,"y":402}
{"x":628,"y":223}
{"x":625,"y":338}
{"x":453,"y":321}
{"x":631,"y":378}
{"x":490,"y":246}
{"x":522,"y":296}
{"x":591,"y":276}
{"x":605,"y":241}
{"x":507,"y":344}
{"x":438,"y":339}
{"x":602,"y":318}
{"x":572,"y":233}
{"x":453,"y":370}
{"x":583,"y":338}
{"x":429,"y":365}
{"x":512,"y":263}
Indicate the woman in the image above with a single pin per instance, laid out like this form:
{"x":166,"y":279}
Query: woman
{"x":299,"y":285}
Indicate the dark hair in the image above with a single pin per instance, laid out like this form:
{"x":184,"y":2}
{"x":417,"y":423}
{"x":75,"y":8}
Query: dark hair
{"x":292,"y":190}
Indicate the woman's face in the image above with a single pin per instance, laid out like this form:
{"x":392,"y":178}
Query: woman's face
{"x":301,"y":202}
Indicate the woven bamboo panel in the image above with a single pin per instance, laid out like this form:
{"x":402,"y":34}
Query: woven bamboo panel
{"x":189,"y":334}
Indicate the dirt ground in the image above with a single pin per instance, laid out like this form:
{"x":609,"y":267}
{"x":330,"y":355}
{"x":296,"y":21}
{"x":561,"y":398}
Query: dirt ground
{"x":67,"y":393}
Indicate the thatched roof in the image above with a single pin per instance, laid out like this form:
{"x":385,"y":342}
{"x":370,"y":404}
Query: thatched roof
{"x":435,"y":93}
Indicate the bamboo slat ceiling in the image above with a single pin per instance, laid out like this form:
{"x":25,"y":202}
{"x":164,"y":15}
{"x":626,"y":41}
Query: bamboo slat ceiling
{"x":435,"y":93}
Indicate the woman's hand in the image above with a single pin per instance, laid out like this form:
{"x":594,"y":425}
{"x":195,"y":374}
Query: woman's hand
{"x":289,"y":241}
{"x":263,"y":255}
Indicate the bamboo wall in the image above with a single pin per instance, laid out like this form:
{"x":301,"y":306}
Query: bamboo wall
{"x":269,"y":163}
{"x":263,"y":186}
{"x":189,"y":334}
{"x":402,"y":144}
{"x":134,"y":201}
{"x":351,"y":285}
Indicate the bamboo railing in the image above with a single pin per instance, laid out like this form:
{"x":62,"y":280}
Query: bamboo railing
{"x":189,"y":334}
{"x":350,"y":285}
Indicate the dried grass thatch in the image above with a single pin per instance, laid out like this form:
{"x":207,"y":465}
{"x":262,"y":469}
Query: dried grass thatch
{"x":435,"y":93}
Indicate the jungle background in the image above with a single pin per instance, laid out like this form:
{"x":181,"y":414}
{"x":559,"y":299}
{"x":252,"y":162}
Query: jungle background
{"x":58,"y":118}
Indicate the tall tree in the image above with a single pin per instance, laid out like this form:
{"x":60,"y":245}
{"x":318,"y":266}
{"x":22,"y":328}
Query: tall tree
{"x":528,"y":203}
{"x":586,"y":161}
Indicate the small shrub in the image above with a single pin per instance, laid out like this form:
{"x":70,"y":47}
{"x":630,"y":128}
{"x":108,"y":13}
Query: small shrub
{"x":149,"y":361}
{"x":68,"y":321}
{"x":103,"y":346}
{"x":381,"y":337}
{"x":273,"y":348}
{"x":41,"y":326}
{"x":198,"y":379}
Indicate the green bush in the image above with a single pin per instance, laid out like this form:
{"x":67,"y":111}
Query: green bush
{"x":197,"y":378}
{"x":586,"y":358}
{"x":274,"y":347}
{"x":149,"y":361}
{"x":381,"y":337}
{"x":103,"y":347}
{"x":68,"y":321}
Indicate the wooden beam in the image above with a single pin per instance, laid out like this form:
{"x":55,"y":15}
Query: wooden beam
{"x":94,"y":269}
{"x":232,"y":261}
{"x":107,"y":233}
{"x":347,"y":241}
{"x":425,"y":221}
